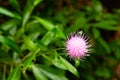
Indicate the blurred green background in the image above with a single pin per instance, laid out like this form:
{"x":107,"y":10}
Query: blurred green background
{"x":33,"y":35}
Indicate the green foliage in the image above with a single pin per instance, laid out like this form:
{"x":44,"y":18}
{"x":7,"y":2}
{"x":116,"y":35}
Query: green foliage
{"x":32,"y":41}
{"x":15,"y":74}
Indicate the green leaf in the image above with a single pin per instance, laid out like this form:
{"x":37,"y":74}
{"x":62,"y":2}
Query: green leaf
{"x":11,"y":44}
{"x":104,"y":44}
{"x":98,"y":7}
{"x":41,"y":45}
{"x":52,"y":73}
{"x":107,"y":25}
{"x":36,"y":2}
{"x":35,"y":29}
{"x":38,"y":74}
{"x":30,"y":44}
{"x":117,"y":52}
{"x":90,"y":77}
{"x":103,"y":72}
{"x":59,"y":64}
{"x":96,"y":33}
{"x":69,"y":67}
{"x":15,"y":74}
{"x":47,"y":24}
{"x":114,"y":45}
{"x":59,"y":33}
{"x":28,"y":62}
{"x":28,"y":10}
{"x":15,"y":5}
{"x":5,"y":58}
{"x":47,"y":38}
{"x":8,"y":13}
{"x":109,"y":16}
{"x":9,"y":24}
{"x":51,"y":35}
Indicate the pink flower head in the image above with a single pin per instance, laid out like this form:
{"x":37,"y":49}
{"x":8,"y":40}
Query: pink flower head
{"x":77,"y":45}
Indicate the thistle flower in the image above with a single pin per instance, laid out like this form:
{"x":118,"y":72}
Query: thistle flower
{"x":77,"y":45}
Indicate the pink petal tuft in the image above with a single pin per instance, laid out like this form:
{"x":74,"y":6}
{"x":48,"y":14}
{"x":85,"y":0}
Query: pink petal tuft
{"x":77,"y":46}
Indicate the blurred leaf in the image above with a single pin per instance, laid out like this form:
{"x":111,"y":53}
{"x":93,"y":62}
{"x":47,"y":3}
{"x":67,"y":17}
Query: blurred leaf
{"x":70,"y":67}
{"x":41,"y":45}
{"x":9,"y":24}
{"x":79,"y":23}
{"x":19,"y":34}
{"x":109,"y":16}
{"x":28,"y":62}
{"x":15,"y":5}
{"x":60,"y":18}
{"x":8,"y":13}
{"x":90,"y":77}
{"x":48,"y":37}
{"x":103,"y":72}
{"x":28,"y":10}
{"x":107,"y":25}
{"x":36,"y":2}
{"x":104,"y":44}
{"x":80,"y":20}
{"x":5,"y":58}
{"x":59,"y":64}
{"x":47,"y":24}
{"x":11,"y":44}
{"x":13,"y":30}
{"x":52,"y":73}
{"x":38,"y":74}
{"x":35,"y":29}
{"x":117,"y":53}
{"x":29,"y":44}
{"x":114,"y":45}
{"x":96,"y":33}
{"x":15,"y":74}
{"x":59,"y":33}
{"x":98,"y":7}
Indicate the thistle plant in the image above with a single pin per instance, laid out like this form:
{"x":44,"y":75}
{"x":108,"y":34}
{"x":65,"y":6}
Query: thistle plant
{"x":77,"y":45}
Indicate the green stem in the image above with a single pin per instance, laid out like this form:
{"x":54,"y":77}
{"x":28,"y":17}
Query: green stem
{"x":47,"y":57}
{"x":4,"y":72}
{"x":26,"y":56}
{"x":11,"y":68}
{"x":29,"y":54}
